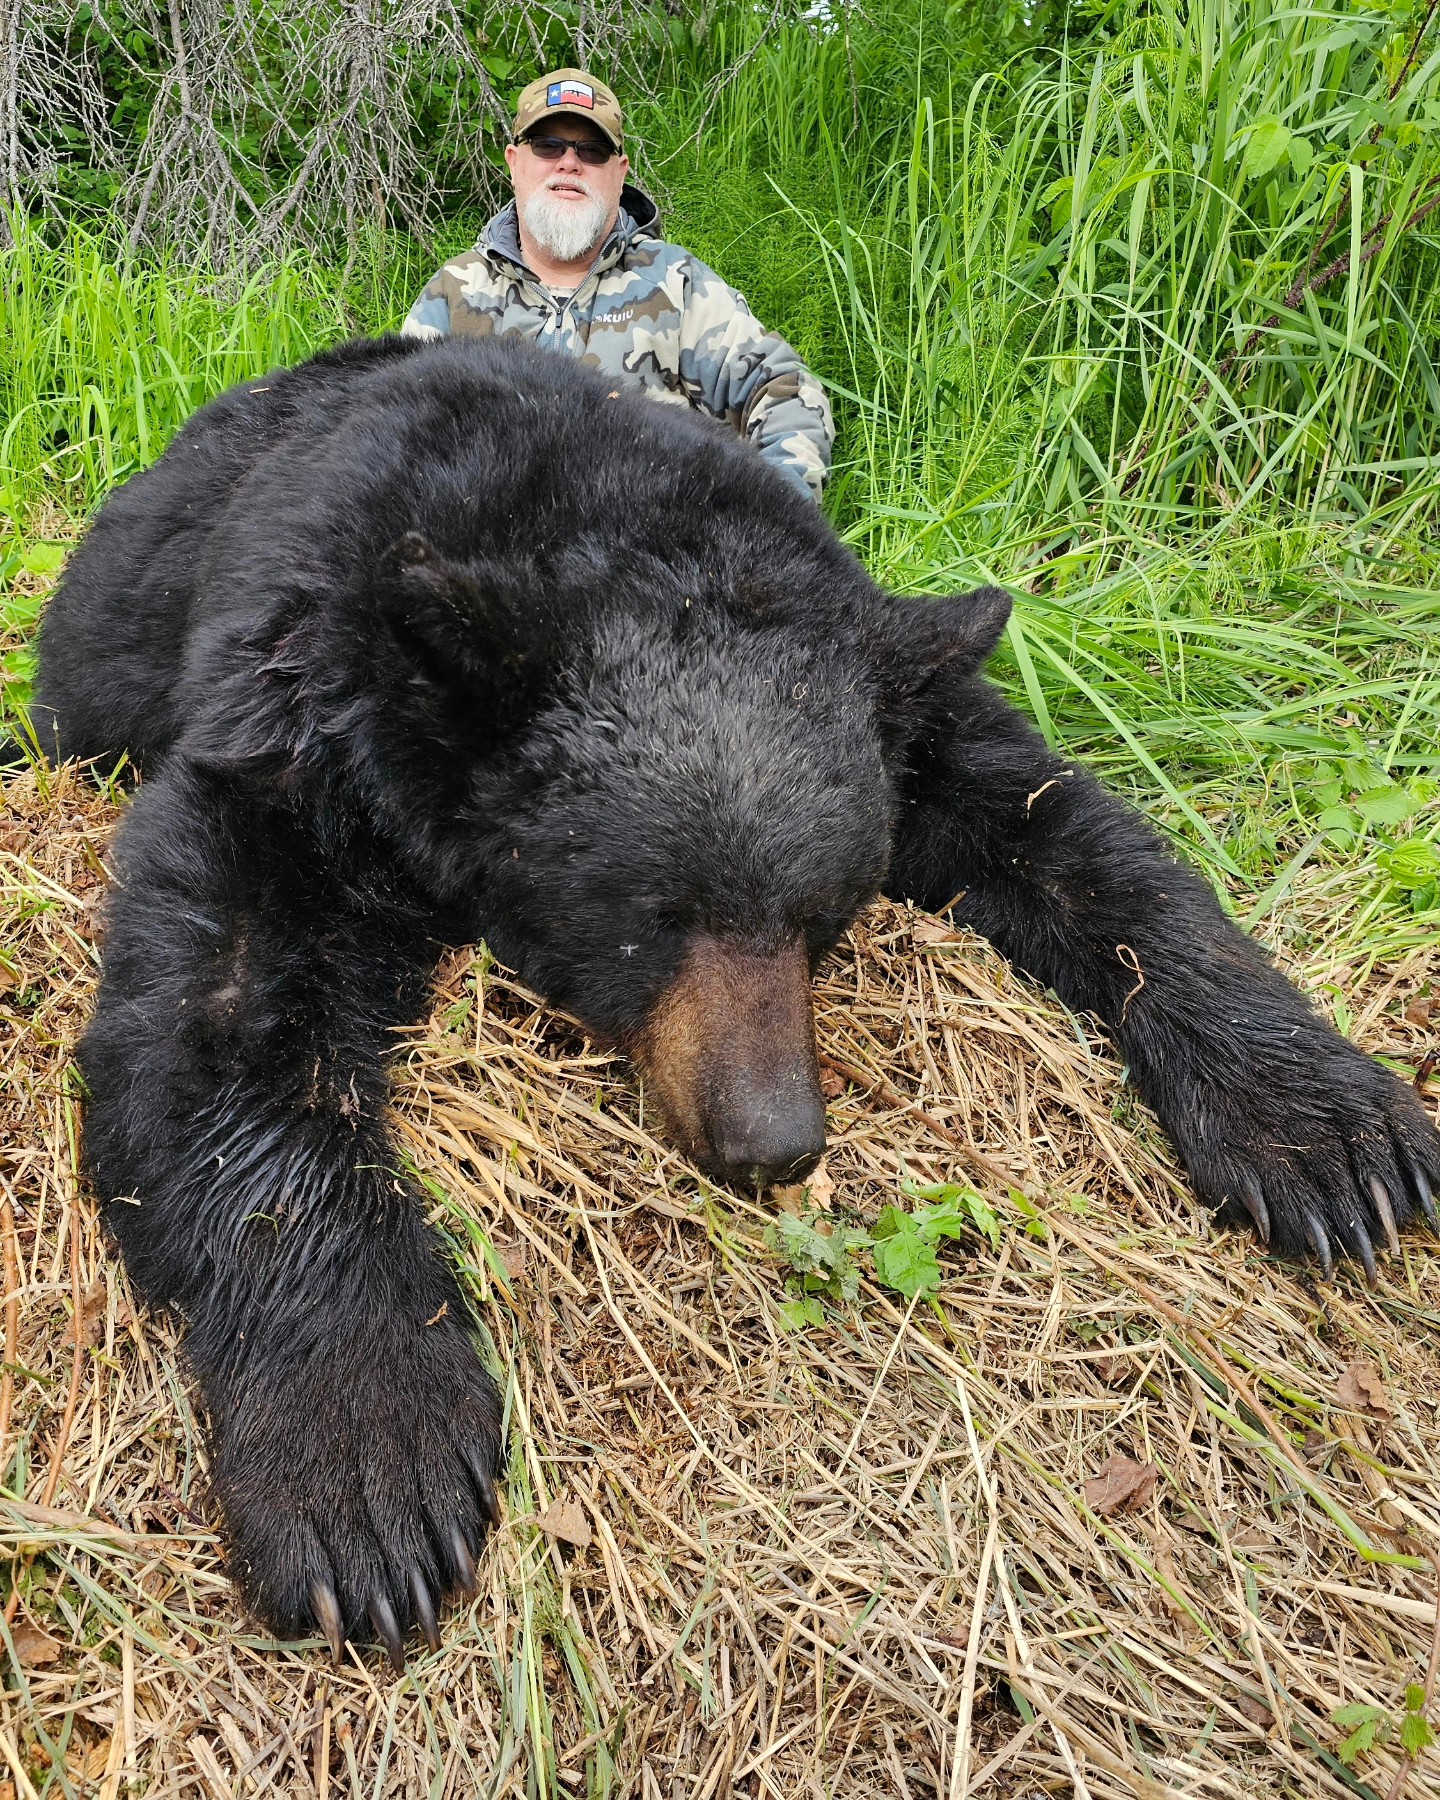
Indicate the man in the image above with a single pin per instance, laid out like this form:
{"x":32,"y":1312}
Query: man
{"x":575,"y":263}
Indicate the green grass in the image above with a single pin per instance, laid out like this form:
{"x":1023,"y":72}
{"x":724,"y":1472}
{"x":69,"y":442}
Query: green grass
{"x":1034,"y":289}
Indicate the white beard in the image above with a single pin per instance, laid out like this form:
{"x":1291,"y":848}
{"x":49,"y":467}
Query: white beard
{"x":565,"y":230}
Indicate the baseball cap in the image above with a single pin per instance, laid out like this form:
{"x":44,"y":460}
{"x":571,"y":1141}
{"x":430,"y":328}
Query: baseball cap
{"x":570,"y":91}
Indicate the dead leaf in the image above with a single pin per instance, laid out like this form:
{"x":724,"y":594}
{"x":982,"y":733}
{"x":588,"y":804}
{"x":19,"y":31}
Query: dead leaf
{"x":1165,"y":1568}
{"x":35,"y":1647}
{"x":1362,"y":1389}
{"x":817,"y":1190}
{"x":832,"y":1083}
{"x":1120,"y":1485}
{"x":821,"y":1185}
{"x":1418,"y":1012}
{"x":92,"y":1311}
{"x":1314,"y":1445}
{"x":565,"y":1520}
{"x":1256,"y":1711}
{"x":514,"y":1259}
{"x":935,"y":931}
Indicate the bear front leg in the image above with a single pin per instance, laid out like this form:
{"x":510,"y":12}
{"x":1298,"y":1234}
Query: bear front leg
{"x":1278,"y":1118}
{"x":235,"y":1131}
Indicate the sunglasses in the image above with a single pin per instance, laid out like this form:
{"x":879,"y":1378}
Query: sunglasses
{"x":550,"y":149}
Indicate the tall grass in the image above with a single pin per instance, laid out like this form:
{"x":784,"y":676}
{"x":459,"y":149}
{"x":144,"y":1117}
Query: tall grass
{"x":104,"y":355}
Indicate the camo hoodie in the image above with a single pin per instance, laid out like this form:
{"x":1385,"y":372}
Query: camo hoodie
{"x":648,"y":313}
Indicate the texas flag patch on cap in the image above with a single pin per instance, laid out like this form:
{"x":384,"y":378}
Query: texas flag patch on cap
{"x":570,"y":93}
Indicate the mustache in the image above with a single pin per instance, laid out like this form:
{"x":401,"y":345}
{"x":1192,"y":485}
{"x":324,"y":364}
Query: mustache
{"x":556,"y":182}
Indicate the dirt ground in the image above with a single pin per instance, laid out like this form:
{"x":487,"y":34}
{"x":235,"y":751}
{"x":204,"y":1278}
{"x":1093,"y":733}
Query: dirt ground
{"x":1128,"y":1509}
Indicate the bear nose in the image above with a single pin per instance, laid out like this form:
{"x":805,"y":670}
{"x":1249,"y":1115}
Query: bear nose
{"x":773,"y":1140}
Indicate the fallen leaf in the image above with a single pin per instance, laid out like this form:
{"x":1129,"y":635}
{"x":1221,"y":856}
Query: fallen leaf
{"x":35,"y":1647}
{"x":790,"y":1198}
{"x":1362,"y":1389}
{"x":92,"y":1311}
{"x":1120,"y":1485}
{"x":565,"y":1520}
{"x":514,"y":1259}
{"x":935,"y":931}
{"x":1165,"y":1568}
{"x":832,"y":1083}
{"x":1314,"y":1444}
{"x":1418,"y":1011}
{"x":1256,"y":1711}
{"x":821,"y":1185}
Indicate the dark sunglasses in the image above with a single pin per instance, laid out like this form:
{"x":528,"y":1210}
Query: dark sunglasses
{"x":550,"y":149}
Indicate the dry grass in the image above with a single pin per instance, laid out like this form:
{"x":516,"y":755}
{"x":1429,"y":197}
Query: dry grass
{"x":852,"y":1560}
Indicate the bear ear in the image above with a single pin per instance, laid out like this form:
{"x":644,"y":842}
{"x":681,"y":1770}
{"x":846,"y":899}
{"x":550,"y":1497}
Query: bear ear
{"x":430,"y":603}
{"x":918,"y":638}
{"x":467,"y":631}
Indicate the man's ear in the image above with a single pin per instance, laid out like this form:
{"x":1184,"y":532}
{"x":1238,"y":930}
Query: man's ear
{"x":916,"y":639}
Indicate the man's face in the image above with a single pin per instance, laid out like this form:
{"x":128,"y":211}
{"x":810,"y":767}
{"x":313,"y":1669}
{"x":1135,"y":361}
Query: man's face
{"x":564,"y":202}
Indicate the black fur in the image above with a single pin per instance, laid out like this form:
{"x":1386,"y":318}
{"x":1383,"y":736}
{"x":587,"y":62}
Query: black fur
{"x":419,"y":644}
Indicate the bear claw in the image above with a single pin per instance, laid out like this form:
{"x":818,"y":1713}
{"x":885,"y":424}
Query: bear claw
{"x":382,"y":1617}
{"x":424,"y":1609}
{"x":1320,"y":1244}
{"x":464,"y":1561}
{"x":1357,"y":1240}
{"x":327,"y":1614}
{"x":1386,"y":1213}
{"x":1254,"y":1203}
{"x":1427,"y":1202}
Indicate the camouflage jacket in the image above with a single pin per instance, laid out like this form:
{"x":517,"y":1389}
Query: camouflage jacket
{"x":651,"y":314}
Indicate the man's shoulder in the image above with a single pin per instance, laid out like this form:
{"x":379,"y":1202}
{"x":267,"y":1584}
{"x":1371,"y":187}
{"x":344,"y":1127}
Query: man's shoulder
{"x":668,"y":262}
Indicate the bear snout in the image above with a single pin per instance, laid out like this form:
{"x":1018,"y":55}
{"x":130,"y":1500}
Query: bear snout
{"x":729,"y":1054}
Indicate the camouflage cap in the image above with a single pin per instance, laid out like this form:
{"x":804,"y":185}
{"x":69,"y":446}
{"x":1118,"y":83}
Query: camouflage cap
{"x":570,"y":91}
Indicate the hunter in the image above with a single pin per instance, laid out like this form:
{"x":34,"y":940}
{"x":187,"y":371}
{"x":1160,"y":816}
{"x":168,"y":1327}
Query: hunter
{"x":575,"y":263}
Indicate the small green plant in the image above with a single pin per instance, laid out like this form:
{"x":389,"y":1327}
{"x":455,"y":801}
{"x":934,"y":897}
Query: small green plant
{"x":1371,"y":1725}
{"x":905,"y":1242}
{"x":823,"y":1253}
{"x":1413,"y":869}
{"x":1353,"y":796}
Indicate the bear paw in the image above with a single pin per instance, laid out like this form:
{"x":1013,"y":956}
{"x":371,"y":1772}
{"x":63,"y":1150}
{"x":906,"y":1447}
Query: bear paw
{"x":1326,"y":1154}
{"x":355,"y":1462}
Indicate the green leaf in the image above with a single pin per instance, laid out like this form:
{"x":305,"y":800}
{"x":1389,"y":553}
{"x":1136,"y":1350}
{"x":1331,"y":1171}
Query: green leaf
{"x":1385,"y":805}
{"x":891,"y":1220}
{"x":1415,"y":864}
{"x":1269,"y":140}
{"x":1415,"y":1698}
{"x":1415,"y":1733}
{"x":1371,"y":1724}
{"x":907,"y":1264}
{"x":44,"y":559}
{"x":799,"y":1314}
{"x":1301,"y":155}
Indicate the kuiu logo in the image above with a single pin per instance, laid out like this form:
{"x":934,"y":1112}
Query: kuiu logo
{"x":615,"y":318}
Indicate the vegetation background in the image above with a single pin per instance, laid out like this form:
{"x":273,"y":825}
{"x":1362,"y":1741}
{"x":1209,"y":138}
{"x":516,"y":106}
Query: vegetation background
{"x":1130,"y":306}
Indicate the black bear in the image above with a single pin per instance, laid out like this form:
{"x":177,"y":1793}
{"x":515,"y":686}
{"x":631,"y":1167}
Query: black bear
{"x":419,"y":644}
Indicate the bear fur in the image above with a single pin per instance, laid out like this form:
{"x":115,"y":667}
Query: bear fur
{"x":419,"y":644}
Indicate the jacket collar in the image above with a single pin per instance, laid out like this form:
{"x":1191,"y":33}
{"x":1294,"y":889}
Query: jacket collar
{"x":639,"y":217}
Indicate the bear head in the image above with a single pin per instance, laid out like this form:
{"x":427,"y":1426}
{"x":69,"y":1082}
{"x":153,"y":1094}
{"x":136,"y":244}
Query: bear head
{"x":667,"y":813}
